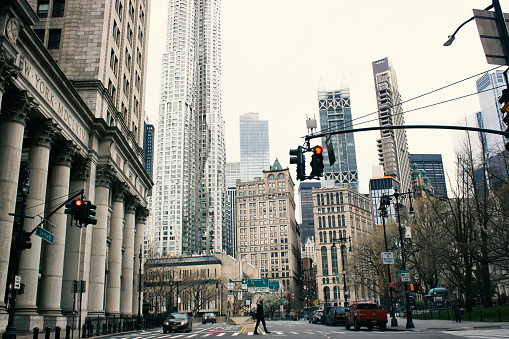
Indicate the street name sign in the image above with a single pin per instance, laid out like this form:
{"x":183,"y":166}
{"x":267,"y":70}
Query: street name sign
{"x":46,"y":235}
{"x":405,"y":275}
{"x":258,"y":285}
{"x":273,"y":285}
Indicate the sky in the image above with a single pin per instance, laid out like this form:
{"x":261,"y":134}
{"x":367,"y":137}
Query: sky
{"x":276,"y":55}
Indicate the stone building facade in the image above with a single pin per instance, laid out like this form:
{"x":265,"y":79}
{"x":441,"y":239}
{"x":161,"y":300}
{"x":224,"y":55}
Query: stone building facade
{"x":268,"y":236}
{"x":60,"y":120}
{"x":342,"y":216}
{"x":195,"y":284}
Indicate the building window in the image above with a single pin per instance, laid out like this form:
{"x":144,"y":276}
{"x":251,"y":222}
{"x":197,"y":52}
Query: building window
{"x":54,"y":38}
{"x":325,"y":263}
{"x":58,"y":8}
{"x":40,"y":34}
{"x":42,"y":8}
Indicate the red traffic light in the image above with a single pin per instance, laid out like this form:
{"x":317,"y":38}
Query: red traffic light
{"x":318,"y":149}
{"x":79,"y":202}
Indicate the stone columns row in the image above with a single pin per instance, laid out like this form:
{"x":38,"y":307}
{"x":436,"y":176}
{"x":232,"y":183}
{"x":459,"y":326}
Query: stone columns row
{"x":13,"y":119}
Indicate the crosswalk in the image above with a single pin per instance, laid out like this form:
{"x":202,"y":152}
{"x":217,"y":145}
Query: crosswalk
{"x":481,"y":334}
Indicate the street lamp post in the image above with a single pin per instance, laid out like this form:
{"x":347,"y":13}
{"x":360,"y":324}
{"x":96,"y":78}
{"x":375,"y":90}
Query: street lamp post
{"x":396,"y":195}
{"x":140,"y":257}
{"x":342,"y":240}
{"x":383,"y":213}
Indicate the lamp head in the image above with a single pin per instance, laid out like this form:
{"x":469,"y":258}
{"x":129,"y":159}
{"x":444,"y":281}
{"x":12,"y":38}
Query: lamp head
{"x":449,"y":41}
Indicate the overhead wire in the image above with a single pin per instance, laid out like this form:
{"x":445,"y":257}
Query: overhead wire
{"x":340,"y":127}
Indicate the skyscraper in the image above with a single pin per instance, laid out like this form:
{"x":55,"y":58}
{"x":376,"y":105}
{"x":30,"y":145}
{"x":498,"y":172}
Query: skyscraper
{"x":307,"y":226}
{"x":392,"y":145}
{"x":489,"y":88}
{"x":254,"y":146}
{"x":148,"y":148}
{"x":190,"y":171}
{"x":433,"y":166}
{"x":336,"y":115}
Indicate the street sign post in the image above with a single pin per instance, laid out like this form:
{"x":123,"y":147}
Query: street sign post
{"x":387,"y":258}
{"x":46,"y":235}
{"x":17,"y":282}
{"x":405,"y":275}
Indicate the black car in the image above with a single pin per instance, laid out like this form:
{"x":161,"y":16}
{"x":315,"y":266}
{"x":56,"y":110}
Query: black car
{"x":177,"y":322}
{"x":336,"y":316}
{"x":208,"y":318}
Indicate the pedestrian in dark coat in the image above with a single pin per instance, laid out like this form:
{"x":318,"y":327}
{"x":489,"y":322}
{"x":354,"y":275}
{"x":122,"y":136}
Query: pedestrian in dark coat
{"x":456,"y":307}
{"x":260,"y":317}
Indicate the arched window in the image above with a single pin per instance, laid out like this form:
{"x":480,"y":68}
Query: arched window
{"x":337,"y":198}
{"x":326,"y":294}
{"x":321,"y":238}
{"x":328,"y":199}
{"x":343,"y":223}
{"x":330,"y":236}
{"x":321,"y":197}
{"x":318,"y":199}
{"x":334,"y":235}
{"x":334,"y":221}
{"x":325,"y":236}
{"x":334,"y":259}
{"x":341,"y":197}
{"x":323,"y":222}
{"x":271,"y":177}
{"x":325,"y":262}
{"x":319,"y":222}
{"x":280,"y":176}
{"x":336,"y":290}
{"x":328,"y":219}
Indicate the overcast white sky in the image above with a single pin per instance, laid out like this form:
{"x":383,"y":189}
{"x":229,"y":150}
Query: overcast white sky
{"x":276,"y":52}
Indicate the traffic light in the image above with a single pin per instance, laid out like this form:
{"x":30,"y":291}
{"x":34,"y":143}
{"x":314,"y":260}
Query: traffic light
{"x":70,"y":207}
{"x":88,"y":217}
{"x":26,"y":243}
{"x":78,"y":210}
{"x":504,"y":100}
{"x":299,"y":159}
{"x":317,"y":162}
{"x":414,"y":288}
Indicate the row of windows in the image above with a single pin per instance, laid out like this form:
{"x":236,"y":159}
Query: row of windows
{"x":43,"y":7}
{"x":53,"y":37}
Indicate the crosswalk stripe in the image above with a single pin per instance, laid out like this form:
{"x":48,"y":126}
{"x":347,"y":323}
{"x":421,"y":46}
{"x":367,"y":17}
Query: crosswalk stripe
{"x":220,"y":334}
{"x":235,"y":334}
{"x":206,"y":335}
{"x":192,"y":335}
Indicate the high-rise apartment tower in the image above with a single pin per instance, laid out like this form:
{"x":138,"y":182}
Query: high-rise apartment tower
{"x":190,"y":152}
{"x":392,"y":145}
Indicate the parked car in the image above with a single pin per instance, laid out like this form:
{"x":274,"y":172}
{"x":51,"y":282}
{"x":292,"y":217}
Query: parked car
{"x":317,"y":317}
{"x":336,"y":316}
{"x":366,"y":314}
{"x":208,"y":318}
{"x":177,"y":322}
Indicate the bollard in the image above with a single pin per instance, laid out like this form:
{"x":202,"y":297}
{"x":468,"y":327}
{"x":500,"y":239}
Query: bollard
{"x":68,"y":332}
{"x":36,"y":332}
{"x":57,"y":332}
{"x":47,"y":332}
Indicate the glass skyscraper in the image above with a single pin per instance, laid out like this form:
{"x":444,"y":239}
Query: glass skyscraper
{"x":307,"y":226}
{"x":190,"y":152}
{"x":489,"y":89}
{"x":254,"y":146}
{"x":336,"y":115}
{"x":433,"y":166}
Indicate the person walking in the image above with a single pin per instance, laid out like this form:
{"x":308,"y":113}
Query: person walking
{"x":456,"y":306}
{"x":260,"y":317}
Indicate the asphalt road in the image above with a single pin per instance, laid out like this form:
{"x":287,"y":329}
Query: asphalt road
{"x":304,"y":330}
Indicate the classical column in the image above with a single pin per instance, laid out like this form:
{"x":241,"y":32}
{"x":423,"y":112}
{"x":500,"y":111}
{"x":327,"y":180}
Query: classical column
{"x":53,"y":255}
{"x":115,"y":252}
{"x":141,"y":217}
{"x":126,"y":287}
{"x":13,"y":118}
{"x":79,"y":174}
{"x":41,"y":135}
{"x":104,"y":176}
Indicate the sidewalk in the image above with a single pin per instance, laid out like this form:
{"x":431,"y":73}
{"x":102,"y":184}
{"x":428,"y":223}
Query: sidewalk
{"x":445,"y":325}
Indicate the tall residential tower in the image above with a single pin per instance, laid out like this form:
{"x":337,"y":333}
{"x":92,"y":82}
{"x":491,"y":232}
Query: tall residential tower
{"x":392,"y":145}
{"x":190,"y":153}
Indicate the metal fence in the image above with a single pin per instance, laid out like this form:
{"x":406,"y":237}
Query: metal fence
{"x":95,"y":326}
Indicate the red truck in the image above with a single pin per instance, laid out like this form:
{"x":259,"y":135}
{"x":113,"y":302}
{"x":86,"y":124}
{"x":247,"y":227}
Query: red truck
{"x":366,"y":314}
